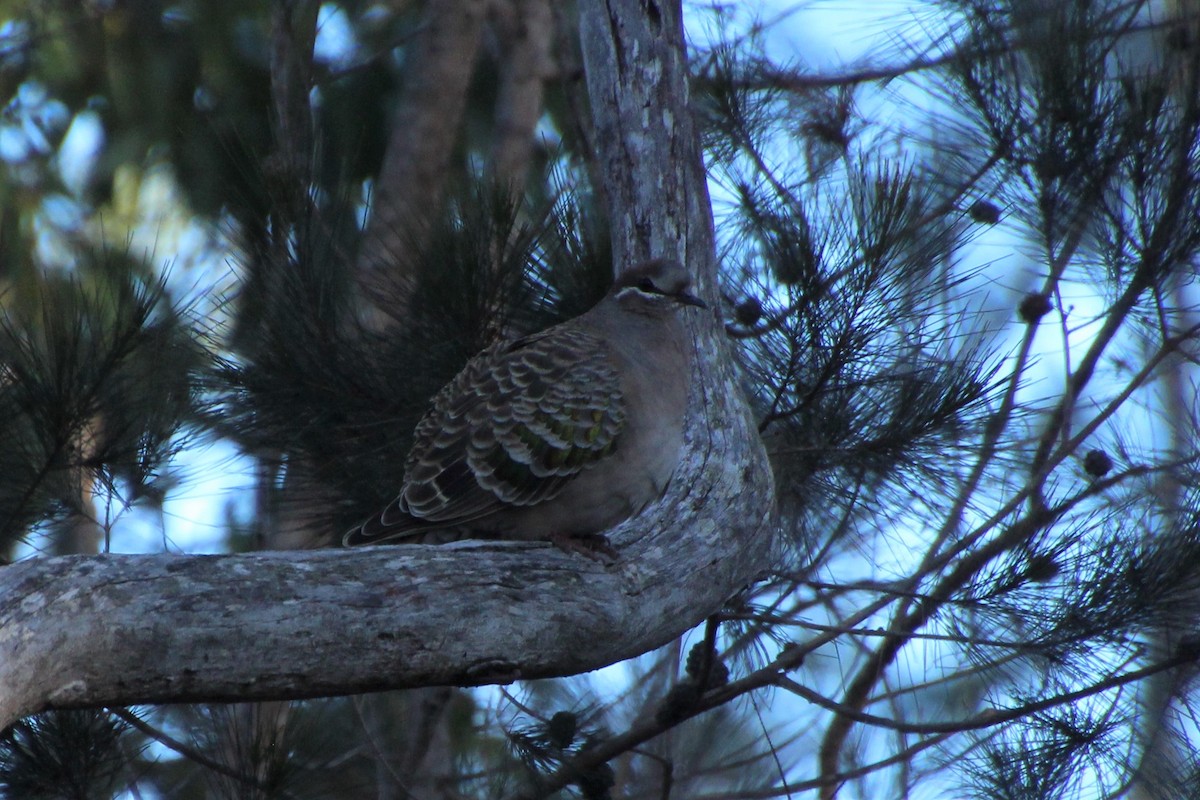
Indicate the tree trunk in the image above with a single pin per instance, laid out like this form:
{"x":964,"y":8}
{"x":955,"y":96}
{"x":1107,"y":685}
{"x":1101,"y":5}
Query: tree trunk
{"x":422,"y":138}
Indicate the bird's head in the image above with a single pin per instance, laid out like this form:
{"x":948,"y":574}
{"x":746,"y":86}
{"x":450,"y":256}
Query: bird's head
{"x":655,"y":286}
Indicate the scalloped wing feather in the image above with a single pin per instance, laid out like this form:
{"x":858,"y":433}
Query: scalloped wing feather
{"x":512,"y":429}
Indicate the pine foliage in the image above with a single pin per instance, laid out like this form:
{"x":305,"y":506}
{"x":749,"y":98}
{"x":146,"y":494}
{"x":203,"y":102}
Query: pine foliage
{"x":965,"y":326}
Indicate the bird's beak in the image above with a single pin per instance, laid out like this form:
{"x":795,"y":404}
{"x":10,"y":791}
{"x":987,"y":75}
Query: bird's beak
{"x":690,"y":300}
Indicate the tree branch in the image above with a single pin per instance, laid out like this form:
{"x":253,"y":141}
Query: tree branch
{"x":91,"y":631}
{"x":422,"y":138}
{"x":527,"y":37}
{"x":646,"y":138}
{"x":120,"y":630}
{"x":190,"y":753}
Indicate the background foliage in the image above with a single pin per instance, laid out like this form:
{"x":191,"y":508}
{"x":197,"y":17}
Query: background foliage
{"x":959,"y":280}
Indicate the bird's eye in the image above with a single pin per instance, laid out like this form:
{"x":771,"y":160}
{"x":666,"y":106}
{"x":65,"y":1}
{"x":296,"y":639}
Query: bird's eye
{"x":647,"y":285}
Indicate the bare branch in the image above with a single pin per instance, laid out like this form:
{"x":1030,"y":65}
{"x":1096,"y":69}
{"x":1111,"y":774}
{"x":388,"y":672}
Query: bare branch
{"x":117,"y":630}
{"x":190,"y":753}
{"x":990,"y":717}
{"x":90,"y":631}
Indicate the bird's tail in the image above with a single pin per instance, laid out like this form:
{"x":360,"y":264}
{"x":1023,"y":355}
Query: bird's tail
{"x":376,"y":531}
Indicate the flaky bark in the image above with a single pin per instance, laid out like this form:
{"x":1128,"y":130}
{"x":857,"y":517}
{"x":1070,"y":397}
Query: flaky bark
{"x":121,"y":630}
{"x":80,"y":631}
{"x":646,"y":138}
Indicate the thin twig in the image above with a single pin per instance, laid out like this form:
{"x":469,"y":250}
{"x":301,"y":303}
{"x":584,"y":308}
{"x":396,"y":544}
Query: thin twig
{"x":191,"y":753}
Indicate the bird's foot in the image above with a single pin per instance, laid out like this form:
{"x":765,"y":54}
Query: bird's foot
{"x":591,"y":545}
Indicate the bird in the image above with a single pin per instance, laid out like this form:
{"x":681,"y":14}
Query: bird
{"x":556,"y":436}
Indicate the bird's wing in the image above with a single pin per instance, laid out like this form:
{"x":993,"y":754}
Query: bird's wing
{"x":512,"y":429}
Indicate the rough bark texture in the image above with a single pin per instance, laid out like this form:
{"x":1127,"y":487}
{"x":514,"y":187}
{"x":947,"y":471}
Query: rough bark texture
{"x":646,"y":138}
{"x":120,"y":630}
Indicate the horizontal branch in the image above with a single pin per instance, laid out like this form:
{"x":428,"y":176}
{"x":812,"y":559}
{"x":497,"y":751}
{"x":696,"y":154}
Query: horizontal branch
{"x":88,"y":631}
{"x":113,"y":630}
